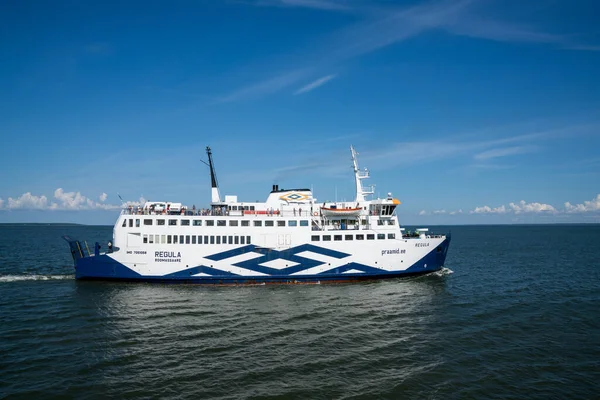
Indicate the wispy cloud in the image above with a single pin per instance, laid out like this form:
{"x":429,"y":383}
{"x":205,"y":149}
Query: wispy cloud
{"x":504,"y":151}
{"x":269,"y":86}
{"x":315,"y":84}
{"x":390,"y":25}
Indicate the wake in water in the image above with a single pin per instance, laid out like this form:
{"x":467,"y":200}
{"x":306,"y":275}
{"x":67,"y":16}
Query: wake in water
{"x":443,"y":272}
{"x":17,"y":278}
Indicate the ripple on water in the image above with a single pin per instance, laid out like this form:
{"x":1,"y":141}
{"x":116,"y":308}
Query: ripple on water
{"x":504,"y":319}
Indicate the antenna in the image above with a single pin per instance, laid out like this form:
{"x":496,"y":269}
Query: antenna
{"x":216,"y":197}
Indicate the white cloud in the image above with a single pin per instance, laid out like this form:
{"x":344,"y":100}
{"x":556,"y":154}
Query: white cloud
{"x":315,"y":84}
{"x":489,"y":210}
{"x":523,"y":207}
{"x":28,"y":201}
{"x":439,"y":211}
{"x":138,"y":203}
{"x":62,"y":201}
{"x":422,"y":212}
{"x":460,"y":211}
{"x":103,"y":197}
{"x":517,"y":208}
{"x":587,"y":206}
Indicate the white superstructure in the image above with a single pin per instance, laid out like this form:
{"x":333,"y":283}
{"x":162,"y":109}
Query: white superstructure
{"x":291,"y":237}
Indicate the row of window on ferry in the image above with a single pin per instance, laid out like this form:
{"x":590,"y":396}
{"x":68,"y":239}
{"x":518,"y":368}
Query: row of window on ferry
{"x":359,"y":236}
{"x":193,"y":239}
{"x":210,"y":222}
{"x":234,"y":239}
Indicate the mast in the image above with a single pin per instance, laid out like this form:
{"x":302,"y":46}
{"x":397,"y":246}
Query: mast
{"x":358,"y":176}
{"x":216,"y":197}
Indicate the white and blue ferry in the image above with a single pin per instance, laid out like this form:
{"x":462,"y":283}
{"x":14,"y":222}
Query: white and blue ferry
{"x":289,"y":238}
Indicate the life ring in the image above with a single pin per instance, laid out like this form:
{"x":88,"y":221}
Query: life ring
{"x":315,"y":213}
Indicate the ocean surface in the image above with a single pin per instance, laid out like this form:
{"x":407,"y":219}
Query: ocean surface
{"x":514,"y":315}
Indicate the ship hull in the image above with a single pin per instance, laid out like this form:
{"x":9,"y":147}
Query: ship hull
{"x":303,"y":270}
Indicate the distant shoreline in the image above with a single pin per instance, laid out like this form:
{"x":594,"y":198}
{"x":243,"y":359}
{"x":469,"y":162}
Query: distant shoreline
{"x":42,"y":224}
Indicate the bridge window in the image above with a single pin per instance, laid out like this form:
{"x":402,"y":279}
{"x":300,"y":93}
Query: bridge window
{"x":168,"y":239}
{"x":349,"y":237}
{"x":197,"y":222}
{"x":360,"y":237}
{"x":193,"y":239}
{"x":391,"y":236}
{"x":221,"y":222}
{"x":137,"y":223}
{"x":248,"y":240}
{"x":175,"y":237}
{"x":230,"y":239}
{"x":185,"y":222}
{"x":269,"y":223}
{"x":233,"y":222}
{"x":151,"y":239}
{"x":224,"y":239}
{"x":337,"y":237}
{"x":280,"y":223}
{"x":145,"y":239}
{"x":380,"y":222}
{"x":160,"y":222}
{"x":180,"y":239}
{"x":210,"y":222}
{"x":124,"y":223}
{"x":314,"y":238}
{"x":206,"y":239}
{"x":172,"y":222}
{"x":304,"y":222}
{"x":131,"y":223}
{"x":257,"y":223}
{"x":242,"y":239}
{"x":147,"y":222}
{"x":380,"y":236}
{"x":187,"y":239}
{"x":370,"y":236}
{"x":212,"y":239}
{"x":246,"y":223}
{"x":219,"y":240}
{"x":292,"y":223}
{"x":237,"y":240}
{"x":327,"y":238}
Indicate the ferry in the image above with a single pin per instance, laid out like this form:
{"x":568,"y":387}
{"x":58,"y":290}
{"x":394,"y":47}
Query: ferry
{"x":288,"y":239}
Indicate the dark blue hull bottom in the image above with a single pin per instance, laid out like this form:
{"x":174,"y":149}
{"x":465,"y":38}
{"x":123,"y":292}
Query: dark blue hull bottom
{"x":262,"y":281}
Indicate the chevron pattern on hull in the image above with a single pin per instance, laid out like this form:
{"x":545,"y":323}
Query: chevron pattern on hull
{"x":105,"y":268}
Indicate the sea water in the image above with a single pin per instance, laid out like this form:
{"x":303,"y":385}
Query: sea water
{"x":515,"y":314}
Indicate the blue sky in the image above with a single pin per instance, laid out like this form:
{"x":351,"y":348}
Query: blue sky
{"x":474,"y":111}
